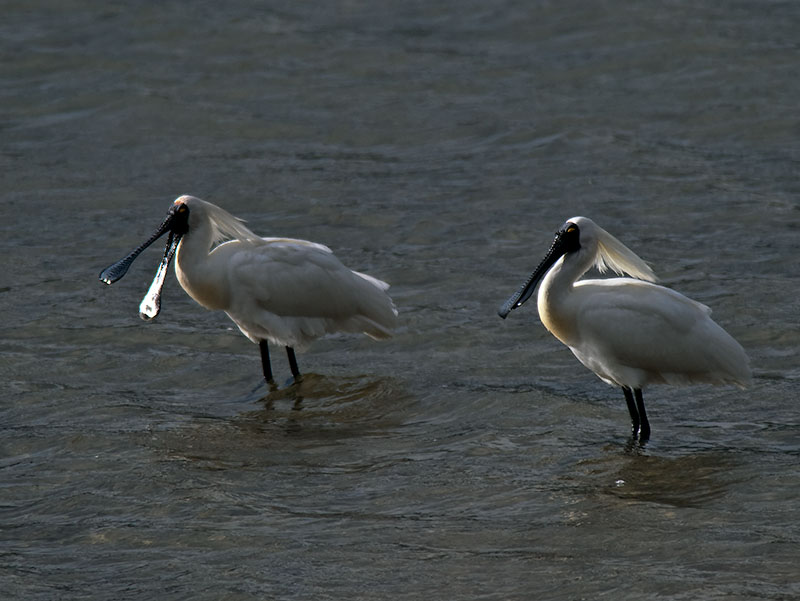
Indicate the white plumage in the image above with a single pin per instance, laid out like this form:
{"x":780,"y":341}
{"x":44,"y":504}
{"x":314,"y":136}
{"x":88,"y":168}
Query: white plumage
{"x":282,"y":290}
{"x":287,"y":291}
{"x":630,"y":332}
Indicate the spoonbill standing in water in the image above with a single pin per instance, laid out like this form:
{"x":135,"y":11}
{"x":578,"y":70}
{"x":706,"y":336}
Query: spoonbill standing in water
{"x":285,"y":291}
{"x":630,"y":332}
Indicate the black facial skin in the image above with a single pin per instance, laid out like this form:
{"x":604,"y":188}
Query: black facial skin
{"x":567,"y":240}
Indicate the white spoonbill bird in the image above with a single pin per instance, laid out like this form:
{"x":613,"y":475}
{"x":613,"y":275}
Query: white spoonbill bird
{"x":630,"y":332}
{"x":285,"y":291}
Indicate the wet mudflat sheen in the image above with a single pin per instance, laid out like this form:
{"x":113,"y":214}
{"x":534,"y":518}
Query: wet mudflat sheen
{"x":437,"y":146}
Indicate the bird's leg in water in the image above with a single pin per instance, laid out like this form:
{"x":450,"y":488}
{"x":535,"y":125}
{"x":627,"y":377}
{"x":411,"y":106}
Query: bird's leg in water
{"x":644,"y":428}
{"x":292,"y":362}
{"x":632,"y":410}
{"x":265,"y":364}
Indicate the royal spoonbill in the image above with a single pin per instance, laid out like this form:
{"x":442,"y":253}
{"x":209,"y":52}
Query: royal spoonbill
{"x":629,"y":331}
{"x":280,"y":290}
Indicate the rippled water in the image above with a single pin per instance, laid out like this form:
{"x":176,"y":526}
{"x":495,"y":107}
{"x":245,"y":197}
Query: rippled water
{"x":436,"y":145}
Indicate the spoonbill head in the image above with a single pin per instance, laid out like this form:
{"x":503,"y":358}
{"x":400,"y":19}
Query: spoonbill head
{"x":629,"y":331}
{"x":280,"y":290}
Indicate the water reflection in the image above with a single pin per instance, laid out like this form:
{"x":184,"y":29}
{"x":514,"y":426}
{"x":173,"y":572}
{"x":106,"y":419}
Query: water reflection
{"x":331,"y":400}
{"x":306,"y":417}
{"x":688,"y":481}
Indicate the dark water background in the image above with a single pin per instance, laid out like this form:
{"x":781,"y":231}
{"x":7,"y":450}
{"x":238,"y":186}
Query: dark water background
{"x":436,"y":145}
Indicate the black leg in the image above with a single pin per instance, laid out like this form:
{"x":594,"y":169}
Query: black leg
{"x":632,"y":409}
{"x":644,"y":428}
{"x":292,"y":362}
{"x":265,"y":364}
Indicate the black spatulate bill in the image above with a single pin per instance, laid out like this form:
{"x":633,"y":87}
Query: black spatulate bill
{"x":114,"y":272}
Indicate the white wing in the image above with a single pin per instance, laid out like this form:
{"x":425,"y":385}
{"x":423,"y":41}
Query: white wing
{"x":627,"y":326}
{"x":292,"y":291}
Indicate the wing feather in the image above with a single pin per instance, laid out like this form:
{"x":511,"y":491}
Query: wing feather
{"x":643,"y":326}
{"x":293,"y":291}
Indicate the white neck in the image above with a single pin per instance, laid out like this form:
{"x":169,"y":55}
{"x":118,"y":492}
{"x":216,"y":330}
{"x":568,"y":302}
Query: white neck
{"x":196,"y":272}
{"x":553,"y":300}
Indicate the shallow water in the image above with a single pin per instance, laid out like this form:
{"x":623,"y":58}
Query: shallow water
{"x":436,"y":145}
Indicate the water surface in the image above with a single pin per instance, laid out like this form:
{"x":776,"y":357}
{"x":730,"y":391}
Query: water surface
{"x":436,"y":145}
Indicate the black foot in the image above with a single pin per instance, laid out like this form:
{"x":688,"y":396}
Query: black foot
{"x":266,"y":366}
{"x":293,"y":381}
{"x":640,"y":426}
{"x":293,"y":363}
{"x":644,"y":427}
